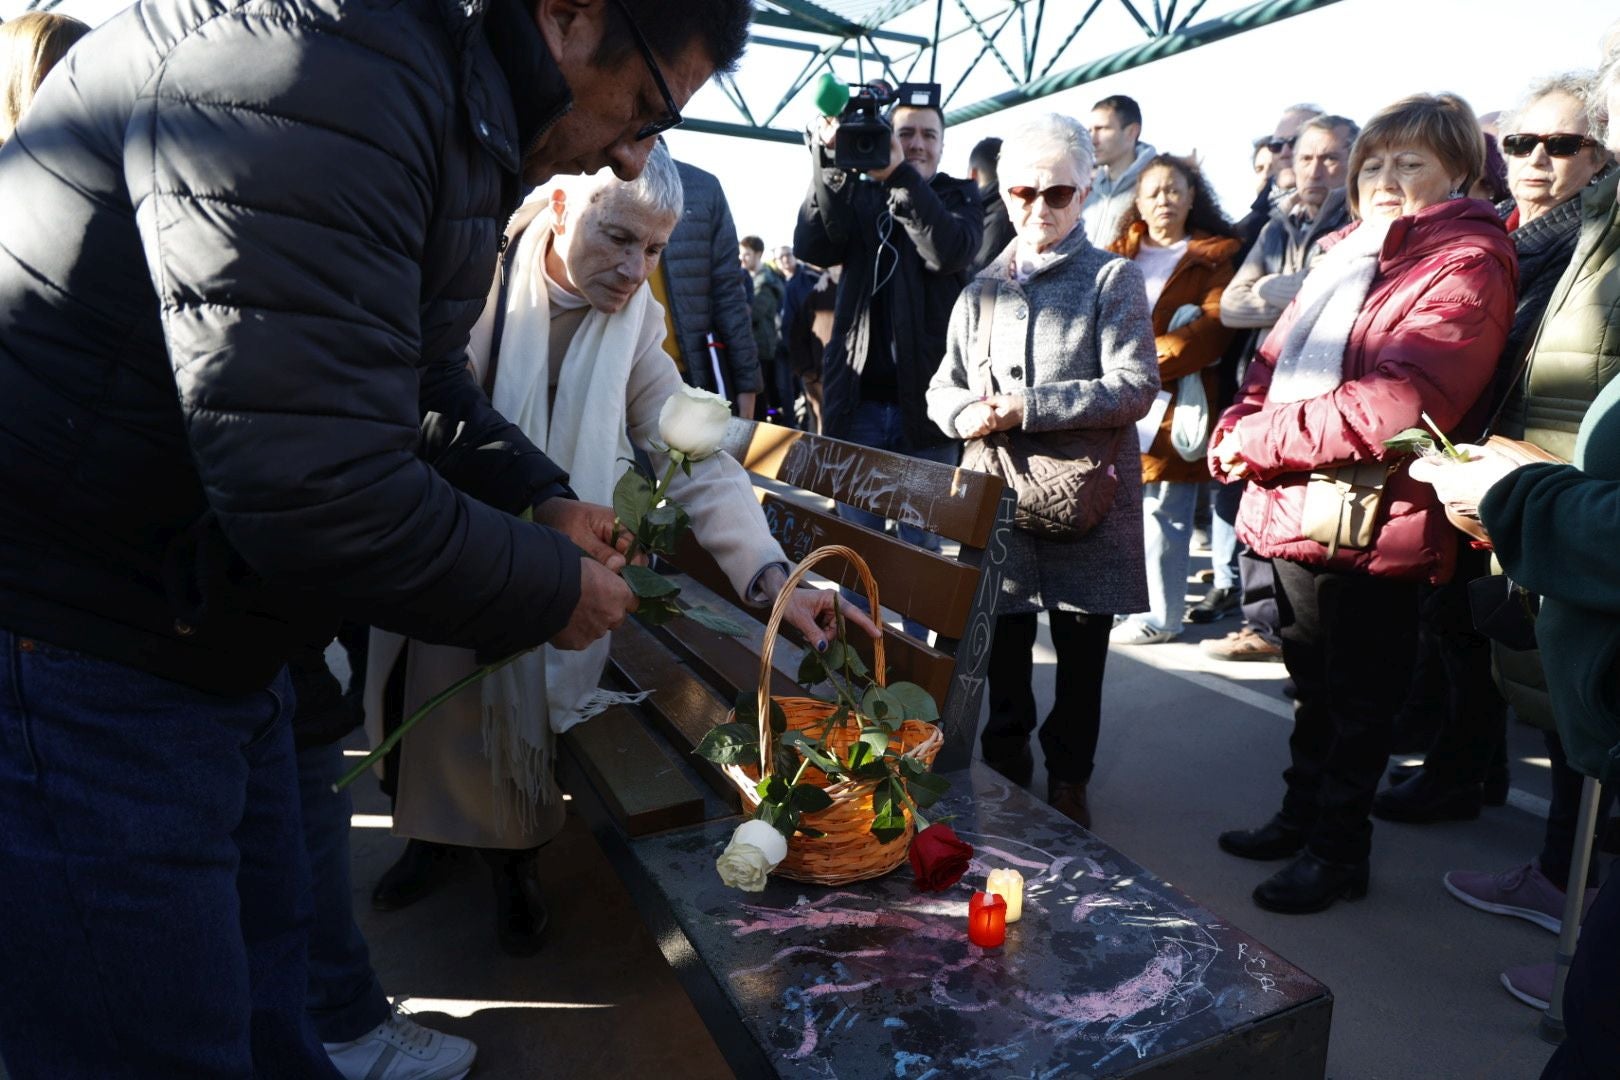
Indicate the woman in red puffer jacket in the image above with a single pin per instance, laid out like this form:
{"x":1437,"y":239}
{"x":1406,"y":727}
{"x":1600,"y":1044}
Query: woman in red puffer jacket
{"x":1405,"y":314}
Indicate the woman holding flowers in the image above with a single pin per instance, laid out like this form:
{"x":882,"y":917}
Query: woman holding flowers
{"x":570,"y":350}
{"x":1402,"y":317}
{"x":1070,"y":347}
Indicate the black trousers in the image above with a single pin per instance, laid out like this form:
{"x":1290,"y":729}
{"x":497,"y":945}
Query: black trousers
{"x":1558,"y":844}
{"x":1347,"y":642}
{"x":1069,"y":734}
{"x":1472,"y":731}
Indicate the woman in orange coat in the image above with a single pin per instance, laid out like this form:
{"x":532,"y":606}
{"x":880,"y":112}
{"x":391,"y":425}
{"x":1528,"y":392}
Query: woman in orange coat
{"x":1186,"y":250}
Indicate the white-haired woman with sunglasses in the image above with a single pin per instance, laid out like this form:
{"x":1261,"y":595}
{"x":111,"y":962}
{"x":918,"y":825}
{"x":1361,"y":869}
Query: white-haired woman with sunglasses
{"x":1552,"y":159}
{"x":1070,"y":347}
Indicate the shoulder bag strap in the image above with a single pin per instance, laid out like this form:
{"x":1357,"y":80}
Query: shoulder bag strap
{"x":981,"y":340}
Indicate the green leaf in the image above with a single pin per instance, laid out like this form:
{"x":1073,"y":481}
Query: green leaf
{"x":786,"y":760}
{"x":772,"y":789}
{"x":778,"y":718}
{"x":871,"y":770}
{"x":811,"y":669}
{"x":814,"y":834}
{"x":927,"y":789}
{"x":888,"y":827}
{"x":859,"y":754}
{"x":884,"y":803}
{"x":730,"y":744}
{"x":812,"y":753}
{"x":877,"y":738}
{"x":853,"y":662}
{"x":778,"y":817}
{"x":715,"y":621}
{"x":632,"y":497}
{"x":911,"y":766}
{"x":1413,"y":440}
{"x":915,"y":702}
{"x":808,"y":798}
{"x":662,"y":528}
{"x":747,"y":709}
{"x":878,"y":704}
{"x":839,"y":718}
{"x":647,"y":583}
{"x":658,"y":610}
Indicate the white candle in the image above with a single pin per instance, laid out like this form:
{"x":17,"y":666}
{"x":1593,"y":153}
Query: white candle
{"x":1009,"y":885}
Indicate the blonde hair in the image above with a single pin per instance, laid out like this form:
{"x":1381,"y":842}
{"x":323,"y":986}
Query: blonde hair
{"x":1443,"y":124}
{"x":30,"y":45}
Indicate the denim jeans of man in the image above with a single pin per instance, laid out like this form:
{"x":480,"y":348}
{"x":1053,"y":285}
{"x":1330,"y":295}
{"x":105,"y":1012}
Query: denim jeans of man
{"x":154,"y":892}
{"x":345,"y":998}
{"x":1167,"y":521}
{"x":881,"y":426}
{"x":1223,"y":539}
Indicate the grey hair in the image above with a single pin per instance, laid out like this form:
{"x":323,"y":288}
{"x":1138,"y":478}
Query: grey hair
{"x":657,"y":189}
{"x":1303,"y":108}
{"x":1575,"y":84}
{"x":1597,"y":108}
{"x":1054,"y":134}
{"x":1331,"y":124}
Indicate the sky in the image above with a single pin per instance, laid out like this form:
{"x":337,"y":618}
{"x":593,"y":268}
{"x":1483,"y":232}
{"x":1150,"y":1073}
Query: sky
{"x":1352,"y":58}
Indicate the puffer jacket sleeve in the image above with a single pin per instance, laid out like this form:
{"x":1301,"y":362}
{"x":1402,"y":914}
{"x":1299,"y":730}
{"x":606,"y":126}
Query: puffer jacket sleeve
{"x":1439,"y":360}
{"x":284,"y":241}
{"x":732,"y":315}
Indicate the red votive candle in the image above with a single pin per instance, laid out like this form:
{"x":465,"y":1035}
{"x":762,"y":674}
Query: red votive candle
{"x":987,"y":920}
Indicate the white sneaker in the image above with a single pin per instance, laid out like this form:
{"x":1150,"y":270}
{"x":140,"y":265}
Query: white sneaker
{"x":1132,"y":632}
{"x":401,"y":1049}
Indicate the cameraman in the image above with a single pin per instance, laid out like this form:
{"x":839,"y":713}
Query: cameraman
{"x":905,"y":235}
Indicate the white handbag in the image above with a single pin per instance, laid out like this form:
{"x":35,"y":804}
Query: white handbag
{"x":1189,"y":421}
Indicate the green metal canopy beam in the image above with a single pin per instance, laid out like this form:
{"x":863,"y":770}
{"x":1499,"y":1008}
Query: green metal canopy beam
{"x":1192,"y":37}
{"x":816,"y":20}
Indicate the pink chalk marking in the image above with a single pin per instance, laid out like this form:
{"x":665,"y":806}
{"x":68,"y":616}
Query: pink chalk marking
{"x":1089,"y":903}
{"x":823,"y":989}
{"x":1156,"y":983}
{"x":807,"y":1044}
{"x":791,"y":950}
{"x":1007,"y":857}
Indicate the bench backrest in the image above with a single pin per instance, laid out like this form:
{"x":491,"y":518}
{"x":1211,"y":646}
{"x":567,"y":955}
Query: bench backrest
{"x":953,"y":594}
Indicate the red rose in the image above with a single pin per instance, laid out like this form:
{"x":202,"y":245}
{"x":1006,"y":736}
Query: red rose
{"x":938,"y":858}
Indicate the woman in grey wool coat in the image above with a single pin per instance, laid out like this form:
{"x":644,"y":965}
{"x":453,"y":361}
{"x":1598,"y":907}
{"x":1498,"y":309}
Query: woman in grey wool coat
{"x":1071,"y":347}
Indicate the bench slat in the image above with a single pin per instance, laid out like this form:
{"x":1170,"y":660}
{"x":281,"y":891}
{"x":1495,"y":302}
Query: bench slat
{"x":625,"y":764}
{"x":957,"y":504}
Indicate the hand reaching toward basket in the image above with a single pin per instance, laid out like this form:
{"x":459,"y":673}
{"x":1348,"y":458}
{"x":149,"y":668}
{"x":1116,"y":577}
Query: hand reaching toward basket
{"x":840,"y":776}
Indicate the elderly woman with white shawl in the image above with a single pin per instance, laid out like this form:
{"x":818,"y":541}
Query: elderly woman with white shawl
{"x":570,"y":349}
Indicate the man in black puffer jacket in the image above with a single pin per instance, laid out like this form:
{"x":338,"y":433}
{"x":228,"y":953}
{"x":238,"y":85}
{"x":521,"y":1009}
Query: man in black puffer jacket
{"x":241,"y":246}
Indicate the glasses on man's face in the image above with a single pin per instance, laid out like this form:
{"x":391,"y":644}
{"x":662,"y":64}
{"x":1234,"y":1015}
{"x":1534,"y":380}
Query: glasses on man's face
{"x":1562,"y":144}
{"x":1277,"y":146}
{"x":672,"y":114}
{"x":1056,"y":197}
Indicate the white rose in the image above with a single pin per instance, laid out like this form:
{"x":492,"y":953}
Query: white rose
{"x":755,"y":850}
{"x":693,"y":422}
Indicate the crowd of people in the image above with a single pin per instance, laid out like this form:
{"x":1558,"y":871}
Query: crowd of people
{"x":265,"y":377}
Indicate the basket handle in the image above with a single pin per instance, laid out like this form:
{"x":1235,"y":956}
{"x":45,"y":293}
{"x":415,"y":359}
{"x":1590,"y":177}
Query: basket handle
{"x":767,"y":738}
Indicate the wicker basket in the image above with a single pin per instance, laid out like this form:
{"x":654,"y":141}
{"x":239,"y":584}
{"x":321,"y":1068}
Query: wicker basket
{"x":848,"y":852}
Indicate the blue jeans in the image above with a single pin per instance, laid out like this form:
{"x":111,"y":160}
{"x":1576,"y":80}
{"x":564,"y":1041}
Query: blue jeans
{"x":345,"y":998}
{"x":881,"y":425}
{"x":1223,"y":541}
{"x":154,"y":896}
{"x":1167,"y":521}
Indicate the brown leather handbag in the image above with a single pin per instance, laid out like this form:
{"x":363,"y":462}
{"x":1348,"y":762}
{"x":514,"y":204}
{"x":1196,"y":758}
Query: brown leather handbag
{"x":1064,"y":480}
{"x":1341,"y":505}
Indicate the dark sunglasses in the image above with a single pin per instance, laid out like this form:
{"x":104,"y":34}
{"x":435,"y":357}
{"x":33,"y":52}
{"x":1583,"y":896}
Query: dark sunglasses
{"x":1562,"y":144}
{"x":672,"y":115}
{"x":1277,"y":146}
{"x":1056,"y":197}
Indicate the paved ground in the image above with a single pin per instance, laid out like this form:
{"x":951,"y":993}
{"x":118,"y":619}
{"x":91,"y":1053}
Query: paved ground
{"x":1190,"y":747}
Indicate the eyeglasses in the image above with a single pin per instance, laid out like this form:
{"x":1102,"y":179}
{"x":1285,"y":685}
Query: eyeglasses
{"x":672,"y":114}
{"x":1056,"y":197}
{"x":1562,"y":144}
{"x":1277,"y":146}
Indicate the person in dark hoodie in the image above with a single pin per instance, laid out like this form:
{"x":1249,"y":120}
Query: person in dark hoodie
{"x":983,"y":169}
{"x":242,"y":249}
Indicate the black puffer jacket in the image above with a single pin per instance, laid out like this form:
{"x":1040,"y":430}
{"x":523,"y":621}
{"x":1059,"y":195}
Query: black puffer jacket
{"x":935,"y":234}
{"x":240,"y":250}
{"x":706,"y":288}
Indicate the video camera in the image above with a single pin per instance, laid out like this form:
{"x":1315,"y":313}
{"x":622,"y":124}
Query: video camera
{"x":863,"y":134}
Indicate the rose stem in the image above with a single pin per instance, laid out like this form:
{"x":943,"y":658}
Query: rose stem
{"x":657,"y":495}
{"x":433,"y":703}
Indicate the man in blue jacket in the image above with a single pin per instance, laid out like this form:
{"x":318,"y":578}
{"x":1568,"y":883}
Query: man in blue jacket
{"x":241,"y":247}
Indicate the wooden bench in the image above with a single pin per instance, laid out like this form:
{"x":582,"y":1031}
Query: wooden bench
{"x":1111,"y":972}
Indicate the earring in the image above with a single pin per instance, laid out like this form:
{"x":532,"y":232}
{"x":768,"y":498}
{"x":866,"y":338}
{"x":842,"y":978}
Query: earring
{"x":1455,"y":194}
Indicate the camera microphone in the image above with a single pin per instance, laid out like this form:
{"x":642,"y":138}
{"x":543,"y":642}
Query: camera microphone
{"x":832,"y":94}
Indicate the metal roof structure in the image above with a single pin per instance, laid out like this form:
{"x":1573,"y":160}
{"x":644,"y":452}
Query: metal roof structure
{"x":1001,"y":52}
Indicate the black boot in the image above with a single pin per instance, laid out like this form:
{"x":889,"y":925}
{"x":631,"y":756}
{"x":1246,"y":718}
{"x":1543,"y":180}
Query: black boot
{"x":419,"y":870}
{"x":520,"y":908}
{"x":1309,"y":884}
{"x":1493,"y":793}
{"x":1276,"y":839}
{"x":1424,"y":798}
{"x":1016,"y":762}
